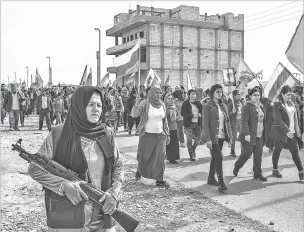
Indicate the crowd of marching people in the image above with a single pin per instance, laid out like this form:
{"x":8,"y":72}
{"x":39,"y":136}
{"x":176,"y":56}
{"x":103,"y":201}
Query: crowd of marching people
{"x":162,"y":116}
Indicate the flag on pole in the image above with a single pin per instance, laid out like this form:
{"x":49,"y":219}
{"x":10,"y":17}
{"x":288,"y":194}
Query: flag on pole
{"x":295,"y":48}
{"x":281,"y":76}
{"x":131,"y":79}
{"x":152,"y":79}
{"x":189,"y":83}
{"x":128,"y":62}
{"x":167,"y":82}
{"x":38,"y":79}
{"x":244,"y":74}
{"x":104,"y":79}
{"x":84,"y":76}
{"x":89,"y":78}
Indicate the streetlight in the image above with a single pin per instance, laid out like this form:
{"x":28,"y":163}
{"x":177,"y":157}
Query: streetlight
{"x":27,"y":76}
{"x":15,"y":77}
{"x":98,"y":59}
{"x":50,"y":79}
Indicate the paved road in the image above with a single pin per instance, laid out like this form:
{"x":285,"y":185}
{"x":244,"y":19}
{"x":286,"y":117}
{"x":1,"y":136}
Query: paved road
{"x":278,"y":200}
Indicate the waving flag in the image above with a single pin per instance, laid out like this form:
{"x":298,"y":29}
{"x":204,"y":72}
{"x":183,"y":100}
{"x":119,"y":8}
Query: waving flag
{"x":167,"y":82}
{"x":128,"y":62}
{"x":189,"y":82}
{"x":84,"y":76}
{"x":104,"y":79}
{"x":89,"y":78}
{"x":295,"y":48}
{"x":38,"y":79}
{"x":152,"y":79}
{"x":281,"y":76}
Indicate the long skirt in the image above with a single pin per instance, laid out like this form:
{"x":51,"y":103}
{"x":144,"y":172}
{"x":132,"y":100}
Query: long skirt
{"x":172,"y":149}
{"x":151,"y":155}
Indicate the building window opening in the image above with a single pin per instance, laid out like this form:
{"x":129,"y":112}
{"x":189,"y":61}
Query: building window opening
{"x":128,"y":39}
{"x":131,"y":38}
{"x":123,"y":40}
{"x":143,"y":54}
{"x":141,"y":34}
{"x":136,"y":36}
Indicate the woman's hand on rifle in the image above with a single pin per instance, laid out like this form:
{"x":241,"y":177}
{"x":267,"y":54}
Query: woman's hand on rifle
{"x":74,"y":192}
{"x":109,"y":206}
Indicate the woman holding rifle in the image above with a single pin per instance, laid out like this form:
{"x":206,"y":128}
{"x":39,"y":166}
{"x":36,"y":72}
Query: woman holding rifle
{"x":84,"y":145}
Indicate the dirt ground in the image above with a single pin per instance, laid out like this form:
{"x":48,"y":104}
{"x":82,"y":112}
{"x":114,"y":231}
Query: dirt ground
{"x":157,"y":209}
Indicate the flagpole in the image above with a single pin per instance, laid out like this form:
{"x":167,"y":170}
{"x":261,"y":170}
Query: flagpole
{"x":139,"y":66}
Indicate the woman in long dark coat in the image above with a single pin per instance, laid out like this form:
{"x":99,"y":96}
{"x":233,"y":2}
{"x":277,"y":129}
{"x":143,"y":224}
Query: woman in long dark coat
{"x":172,"y":149}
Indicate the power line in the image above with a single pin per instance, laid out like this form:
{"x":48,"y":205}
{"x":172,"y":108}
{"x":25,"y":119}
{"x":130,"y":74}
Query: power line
{"x":270,"y":9}
{"x":276,"y":18}
{"x":272,"y":24}
{"x":273,"y":13}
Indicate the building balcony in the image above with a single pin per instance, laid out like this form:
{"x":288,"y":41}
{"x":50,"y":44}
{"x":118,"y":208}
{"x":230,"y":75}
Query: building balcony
{"x":143,"y":66}
{"x":122,"y":48}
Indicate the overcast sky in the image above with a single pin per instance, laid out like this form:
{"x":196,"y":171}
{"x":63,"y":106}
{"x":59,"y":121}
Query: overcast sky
{"x":64,"y":31}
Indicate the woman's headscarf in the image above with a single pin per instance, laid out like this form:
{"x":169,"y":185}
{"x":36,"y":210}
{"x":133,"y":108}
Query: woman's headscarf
{"x":69,"y":152}
{"x":169,"y":105}
{"x":152,"y":96}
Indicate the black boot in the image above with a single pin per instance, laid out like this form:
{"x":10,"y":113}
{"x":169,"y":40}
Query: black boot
{"x":235,"y":171}
{"x":222,"y":187}
{"x":137,"y":176}
{"x":212,"y":181}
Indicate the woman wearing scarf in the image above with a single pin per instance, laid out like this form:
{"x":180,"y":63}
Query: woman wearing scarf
{"x":286,"y":131}
{"x":252,"y":136}
{"x":153,"y":136}
{"x":84,"y":145}
{"x":216,"y":130}
{"x":178,"y":102}
{"x":125,"y":100}
{"x":172,"y":149}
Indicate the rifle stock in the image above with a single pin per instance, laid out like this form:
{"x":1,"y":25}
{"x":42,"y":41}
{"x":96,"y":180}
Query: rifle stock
{"x":125,"y":220}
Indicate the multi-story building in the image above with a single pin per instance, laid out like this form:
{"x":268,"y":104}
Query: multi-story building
{"x":174,"y":40}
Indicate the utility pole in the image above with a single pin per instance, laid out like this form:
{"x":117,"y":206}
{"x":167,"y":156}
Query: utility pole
{"x":15,"y":77}
{"x":8,"y":80}
{"x":27,"y":77}
{"x":98,"y":57}
{"x":31,"y":79}
{"x":50,"y":71}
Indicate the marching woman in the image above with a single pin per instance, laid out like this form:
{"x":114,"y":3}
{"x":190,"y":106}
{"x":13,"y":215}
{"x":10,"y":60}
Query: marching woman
{"x":216,"y":130}
{"x":252,"y":134}
{"x":172,"y":149}
{"x":286,"y":130}
{"x":154,"y":135}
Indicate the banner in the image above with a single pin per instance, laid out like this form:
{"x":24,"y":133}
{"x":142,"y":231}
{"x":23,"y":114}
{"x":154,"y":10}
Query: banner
{"x":281,"y":76}
{"x":128,"y":62}
{"x":294,"y":52}
{"x":152,"y":79}
{"x":84,"y":76}
{"x":167,"y":82}
{"x":229,"y":77}
{"x":244,"y":74}
{"x":131,"y":79}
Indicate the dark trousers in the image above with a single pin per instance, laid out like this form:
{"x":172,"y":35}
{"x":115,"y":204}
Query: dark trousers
{"x":292,"y":145}
{"x":22,"y":115}
{"x":193,"y":133}
{"x":247,"y":151}
{"x":216,"y":164}
{"x":132,"y":121}
{"x":125,"y":119}
{"x":44,"y":113}
{"x":14,"y":118}
{"x":3,"y":113}
{"x":118,"y":118}
{"x":180,"y":131}
{"x":32,"y":105}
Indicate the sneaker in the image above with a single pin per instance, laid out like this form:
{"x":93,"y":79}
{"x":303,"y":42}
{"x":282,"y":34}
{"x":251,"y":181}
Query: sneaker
{"x":162,"y":183}
{"x":22,"y":125}
{"x":276,"y":173}
{"x":261,"y":178}
{"x":235,"y":171}
{"x":212,"y":181}
{"x":137,"y":176}
{"x":17,"y":129}
{"x":270,"y":150}
{"x":11,"y":129}
{"x":136,"y":134}
{"x":126,"y":130}
{"x":192,"y":157}
{"x":301,"y":175}
{"x":233,"y":154}
{"x":173,"y":162}
{"x":183,"y":145}
{"x":130,"y":132}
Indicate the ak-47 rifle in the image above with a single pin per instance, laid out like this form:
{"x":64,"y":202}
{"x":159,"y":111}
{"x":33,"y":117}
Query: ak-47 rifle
{"x":126,"y":221}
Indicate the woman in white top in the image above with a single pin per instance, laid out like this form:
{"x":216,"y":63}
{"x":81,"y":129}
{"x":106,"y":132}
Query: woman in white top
{"x":285,"y":131}
{"x":154,"y":135}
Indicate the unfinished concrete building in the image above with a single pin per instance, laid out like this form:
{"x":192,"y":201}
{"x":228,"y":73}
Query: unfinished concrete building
{"x":174,"y":40}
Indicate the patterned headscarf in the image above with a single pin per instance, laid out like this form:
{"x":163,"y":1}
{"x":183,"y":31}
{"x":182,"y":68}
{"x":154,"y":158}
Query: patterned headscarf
{"x":152,"y":96}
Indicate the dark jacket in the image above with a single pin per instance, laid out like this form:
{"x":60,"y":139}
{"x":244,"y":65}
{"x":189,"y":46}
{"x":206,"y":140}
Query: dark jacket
{"x":281,"y":123}
{"x":186,"y":112}
{"x":39,"y":103}
{"x":250,"y":123}
{"x":131,"y":103}
{"x":211,"y":122}
{"x":8,"y":100}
